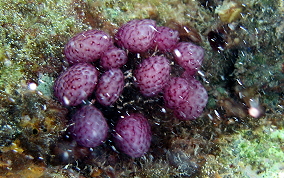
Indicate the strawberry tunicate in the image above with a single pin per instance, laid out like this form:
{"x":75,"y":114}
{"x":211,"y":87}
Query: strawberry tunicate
{"x":176,"y":92}
{"x":152,"y":75}
{"x":136,"y":35}
{"x":76,"y":84}
{"x":113,"y":58}
{"x":133,"y":135}
{"x":87,"y":46}
{"x":187,"y":97}
{"x":166,"y":39}
{"x":110,"y":86}
{"x":189,"y":56}
{"x":89,"y":127}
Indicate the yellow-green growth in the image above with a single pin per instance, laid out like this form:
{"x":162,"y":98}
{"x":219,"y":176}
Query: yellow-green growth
{"x":32,"y":34}
{"x":257,"y":153}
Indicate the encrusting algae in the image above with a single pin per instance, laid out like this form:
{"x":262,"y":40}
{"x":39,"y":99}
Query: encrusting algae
{"x":246,"y":70}
{"x":229,"y":11}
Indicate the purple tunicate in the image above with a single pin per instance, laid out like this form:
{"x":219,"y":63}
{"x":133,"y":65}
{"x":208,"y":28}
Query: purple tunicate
{"x":89,"y":127}
{"x":136,"y":35}
{"x":87,"y":46}
{"x":166,"y":39}
{"x":113,"y":58}
{"x":176,"y":92}
{"x":189,"y":56}
{"x":187,"y":97}
{"x":76,"y":84}
{"x":152,"y":75}
{"x":133,"y":135}
{"x":110,"y":86}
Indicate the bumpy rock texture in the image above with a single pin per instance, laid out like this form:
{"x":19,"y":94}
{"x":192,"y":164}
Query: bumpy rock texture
{"x":26,"y":43}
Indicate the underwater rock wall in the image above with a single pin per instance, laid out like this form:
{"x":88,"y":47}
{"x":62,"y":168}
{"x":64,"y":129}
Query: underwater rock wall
{"x":242,"y":72}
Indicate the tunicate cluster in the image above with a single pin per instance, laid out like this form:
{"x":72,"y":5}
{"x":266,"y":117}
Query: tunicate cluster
{"x":152,"y":76}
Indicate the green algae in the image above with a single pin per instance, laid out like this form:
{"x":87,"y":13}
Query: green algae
{"x":180,"y":11}
{"x":32,"y":37}
{"x":45,"y":85}
{"x":33,"y":34}
{"x":257,"y":153}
